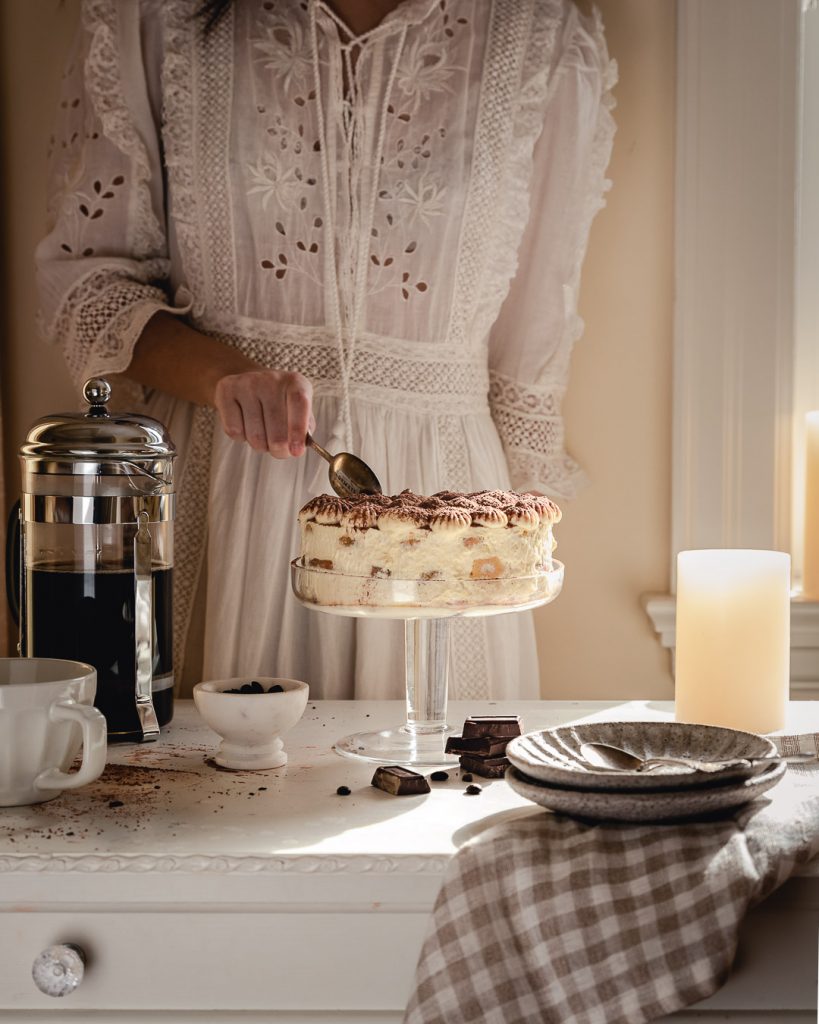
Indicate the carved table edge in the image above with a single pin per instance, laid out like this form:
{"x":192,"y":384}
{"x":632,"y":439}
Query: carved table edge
{"x":411,"y":864}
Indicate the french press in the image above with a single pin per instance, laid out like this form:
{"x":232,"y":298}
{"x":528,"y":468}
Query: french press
{"x":96,"y":556}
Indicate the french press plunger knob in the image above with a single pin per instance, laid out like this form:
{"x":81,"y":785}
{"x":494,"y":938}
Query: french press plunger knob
{"x":97,"y":392}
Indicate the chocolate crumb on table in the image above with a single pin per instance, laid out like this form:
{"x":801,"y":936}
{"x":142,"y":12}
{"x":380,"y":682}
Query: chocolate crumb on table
{"x":399,"y":781}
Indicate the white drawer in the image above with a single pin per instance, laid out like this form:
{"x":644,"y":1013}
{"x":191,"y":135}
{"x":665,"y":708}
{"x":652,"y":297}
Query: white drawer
{"x":218,"y":961}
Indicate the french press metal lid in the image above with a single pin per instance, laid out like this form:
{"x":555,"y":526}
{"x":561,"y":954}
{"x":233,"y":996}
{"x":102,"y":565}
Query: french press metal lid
{"x":102,"y":469}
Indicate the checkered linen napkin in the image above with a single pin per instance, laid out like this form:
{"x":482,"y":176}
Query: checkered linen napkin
{"x":553,"y":920}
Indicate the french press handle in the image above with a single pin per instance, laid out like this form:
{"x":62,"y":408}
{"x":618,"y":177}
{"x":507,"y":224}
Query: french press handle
{"x":143,"y":630}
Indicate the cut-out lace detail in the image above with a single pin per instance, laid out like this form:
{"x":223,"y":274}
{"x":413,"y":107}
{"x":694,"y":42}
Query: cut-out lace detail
{"x":412,"y":183}
{"x":102,"y":76}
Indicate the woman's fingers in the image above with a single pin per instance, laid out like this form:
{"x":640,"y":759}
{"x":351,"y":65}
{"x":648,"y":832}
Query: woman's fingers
{"x":255,"y":428}
{"x":230,"y":413}
{"x":275,"y":422}
{"x":270,"y":409}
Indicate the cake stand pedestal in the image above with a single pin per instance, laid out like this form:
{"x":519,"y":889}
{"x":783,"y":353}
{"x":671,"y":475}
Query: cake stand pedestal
{"x":427,"y":608}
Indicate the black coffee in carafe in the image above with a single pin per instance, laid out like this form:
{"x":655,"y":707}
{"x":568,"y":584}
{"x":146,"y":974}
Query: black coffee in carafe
{"x":96,"y":556}
{"x":89,"y":616}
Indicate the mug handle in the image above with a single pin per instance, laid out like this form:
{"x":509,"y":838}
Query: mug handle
{"x":94,"y":746}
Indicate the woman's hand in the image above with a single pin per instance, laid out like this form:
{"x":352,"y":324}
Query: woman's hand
{"x":270,"y":409}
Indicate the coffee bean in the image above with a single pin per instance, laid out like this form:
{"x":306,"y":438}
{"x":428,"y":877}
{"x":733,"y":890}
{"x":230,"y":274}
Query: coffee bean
{"x":439,"y":776}
{"x":466,"y":777}
{"x":276,"y":688}
{"x":473,"y":790}
{"x":256,"y":687}
{"x":343,"y":791}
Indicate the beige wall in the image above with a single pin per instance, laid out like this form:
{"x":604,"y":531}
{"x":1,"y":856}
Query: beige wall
{"x":595,"y":641}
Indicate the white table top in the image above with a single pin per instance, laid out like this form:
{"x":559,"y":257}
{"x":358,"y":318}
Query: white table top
{"x":165,"y":805}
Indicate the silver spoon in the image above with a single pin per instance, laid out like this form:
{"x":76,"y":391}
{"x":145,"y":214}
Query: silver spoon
{"x":606,"y":755}
{"x":349,"y":475}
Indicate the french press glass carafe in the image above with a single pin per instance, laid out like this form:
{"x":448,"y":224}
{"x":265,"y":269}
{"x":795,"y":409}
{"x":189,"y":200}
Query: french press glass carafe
{"x":96,"y":554}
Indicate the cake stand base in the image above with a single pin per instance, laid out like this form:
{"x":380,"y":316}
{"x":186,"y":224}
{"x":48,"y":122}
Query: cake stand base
{"x":427,"y":608}
{"x":398,"y":746}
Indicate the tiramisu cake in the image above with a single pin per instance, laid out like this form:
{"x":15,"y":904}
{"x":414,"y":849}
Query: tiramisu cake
{"x":441,"y":541}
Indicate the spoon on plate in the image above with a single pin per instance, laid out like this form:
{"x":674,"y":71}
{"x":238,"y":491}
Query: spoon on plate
{"x":606,"y":755}
{"x":349,"y":475}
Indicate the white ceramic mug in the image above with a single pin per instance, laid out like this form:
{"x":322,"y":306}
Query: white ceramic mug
{"x":46,"y":713}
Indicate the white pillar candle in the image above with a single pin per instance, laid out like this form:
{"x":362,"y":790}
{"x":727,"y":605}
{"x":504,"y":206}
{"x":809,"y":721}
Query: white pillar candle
{"x":733,"y":638}
{"x":810,"y":567}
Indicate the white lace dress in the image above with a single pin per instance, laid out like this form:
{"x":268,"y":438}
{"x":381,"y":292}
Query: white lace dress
{"x":367,"y":225}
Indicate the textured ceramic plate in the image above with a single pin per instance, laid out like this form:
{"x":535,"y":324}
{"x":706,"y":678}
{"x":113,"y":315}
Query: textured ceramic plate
{"x":648,"y":805}
{"x":554,"y":755}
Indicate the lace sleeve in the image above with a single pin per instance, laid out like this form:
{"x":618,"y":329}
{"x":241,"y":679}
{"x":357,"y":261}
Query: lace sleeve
{"x":531,"y":341}
{"x":102,"y":269}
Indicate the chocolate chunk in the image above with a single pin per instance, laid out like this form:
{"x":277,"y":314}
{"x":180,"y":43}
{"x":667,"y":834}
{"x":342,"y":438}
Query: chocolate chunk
{"x":496,"y":726}
{"x":466,"y":777}
{"x":343,"y":791}
{"x":478,"y":746}
{"x":399,"y":781}
{"x":473,"y":791}
{"x":439,"y":776}
{"x":487,"y":767}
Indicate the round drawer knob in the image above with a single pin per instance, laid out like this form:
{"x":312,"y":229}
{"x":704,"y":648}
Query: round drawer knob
{"x":58,"y":970}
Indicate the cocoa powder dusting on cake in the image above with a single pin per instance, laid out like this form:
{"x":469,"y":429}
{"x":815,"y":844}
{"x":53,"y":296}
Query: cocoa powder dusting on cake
{"x":489,"y":516}
{"x":449,"y":519}
{"x":400,"y":517}
{"x":361,"y":516}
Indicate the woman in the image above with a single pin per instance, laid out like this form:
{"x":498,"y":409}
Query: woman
{"x":367,"y":218}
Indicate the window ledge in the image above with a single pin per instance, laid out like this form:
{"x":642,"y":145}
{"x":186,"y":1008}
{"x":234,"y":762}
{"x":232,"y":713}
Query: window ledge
{"x":662,"y":609}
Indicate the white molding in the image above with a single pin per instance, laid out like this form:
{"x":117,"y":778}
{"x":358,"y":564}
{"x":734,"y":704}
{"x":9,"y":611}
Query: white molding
{"x":737,"y":132}
{"x":662,"y":608}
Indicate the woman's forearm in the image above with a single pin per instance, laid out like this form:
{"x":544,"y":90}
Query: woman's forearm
{"x":269,"y":409}
{"x":174,"y":357}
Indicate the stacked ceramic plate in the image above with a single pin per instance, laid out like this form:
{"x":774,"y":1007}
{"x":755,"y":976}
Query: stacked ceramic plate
{"x":554,"y":768}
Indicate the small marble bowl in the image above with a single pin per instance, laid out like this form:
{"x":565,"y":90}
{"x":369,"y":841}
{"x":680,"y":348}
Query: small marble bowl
{"x":251,"y":724}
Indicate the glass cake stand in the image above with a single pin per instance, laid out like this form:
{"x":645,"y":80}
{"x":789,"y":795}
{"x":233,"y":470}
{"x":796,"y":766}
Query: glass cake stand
{"x":427,"y":608}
